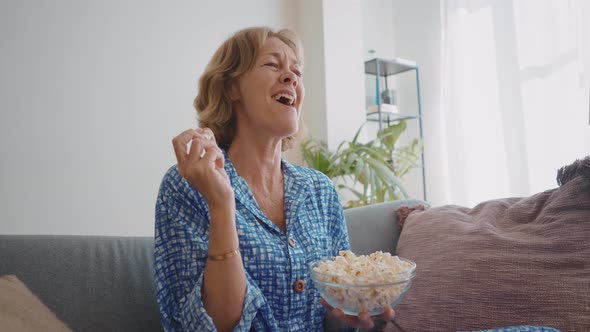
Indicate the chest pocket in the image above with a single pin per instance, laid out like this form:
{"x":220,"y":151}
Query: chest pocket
{"x":314,"y":235}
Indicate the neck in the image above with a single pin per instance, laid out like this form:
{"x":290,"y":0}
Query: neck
{"x":258,"y":163}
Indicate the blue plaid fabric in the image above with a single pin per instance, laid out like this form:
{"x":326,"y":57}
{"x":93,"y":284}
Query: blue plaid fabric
{"x":314,"y":220}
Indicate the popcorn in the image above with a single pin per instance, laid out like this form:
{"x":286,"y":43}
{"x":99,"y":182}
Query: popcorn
{"x":363,"y":283}
{"x":208,"y":135}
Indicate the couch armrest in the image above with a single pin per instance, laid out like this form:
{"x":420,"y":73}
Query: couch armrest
{"x":375,"y":227}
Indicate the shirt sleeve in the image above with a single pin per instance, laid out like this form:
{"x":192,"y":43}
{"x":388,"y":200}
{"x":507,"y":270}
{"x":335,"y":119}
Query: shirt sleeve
{"x":181,"y":241}
{"x":338,"y":229}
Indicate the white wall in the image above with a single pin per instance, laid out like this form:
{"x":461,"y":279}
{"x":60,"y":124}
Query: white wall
{"x":417,"y":36}
{"x":344,"y":69}
{"x":378,"y":41}
{"x":411,"y":30}
{"x":331,"y":32}
{"x":306,"y":17}
{"x":378,"y":34}
{"x":91,"y":94}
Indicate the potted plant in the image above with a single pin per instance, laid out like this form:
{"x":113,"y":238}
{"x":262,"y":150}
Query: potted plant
{"x":371,"y":172}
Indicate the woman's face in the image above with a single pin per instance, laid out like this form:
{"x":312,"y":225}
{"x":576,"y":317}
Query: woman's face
{"x":267,"y":99}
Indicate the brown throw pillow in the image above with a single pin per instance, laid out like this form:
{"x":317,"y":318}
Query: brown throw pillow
{"x":505,"y":262}
{"x":404,"y":211}
{"x":20,"y":310}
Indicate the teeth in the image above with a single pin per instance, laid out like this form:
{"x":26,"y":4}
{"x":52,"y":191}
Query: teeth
{"x":278,"y":96}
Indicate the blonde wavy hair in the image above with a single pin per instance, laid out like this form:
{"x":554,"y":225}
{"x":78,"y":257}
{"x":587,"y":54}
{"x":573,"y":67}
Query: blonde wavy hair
{"x":233,"y":58}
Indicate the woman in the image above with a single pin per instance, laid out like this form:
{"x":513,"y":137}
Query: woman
{"x":236,"y":225}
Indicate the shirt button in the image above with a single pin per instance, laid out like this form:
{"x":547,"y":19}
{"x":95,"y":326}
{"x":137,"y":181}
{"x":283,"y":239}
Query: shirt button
{"x":292,"y":242}
{"x":299,"y":286}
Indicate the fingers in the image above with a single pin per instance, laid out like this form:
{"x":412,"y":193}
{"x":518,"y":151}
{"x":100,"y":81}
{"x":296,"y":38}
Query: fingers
{"x":212,"y":154}
{"x":326,"y":304}
{"x":388,"y":314}
{"x":184,"y":144}
{"x":203,"y":149}
{"x":179,"y":143}
{"x":197,"y":147}
{"x":363,"y":320}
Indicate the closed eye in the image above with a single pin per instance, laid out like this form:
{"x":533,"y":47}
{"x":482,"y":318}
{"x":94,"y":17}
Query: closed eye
{"x":272,"y":64}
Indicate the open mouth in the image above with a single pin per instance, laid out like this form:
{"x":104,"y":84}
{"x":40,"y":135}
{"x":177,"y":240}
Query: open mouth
{"x":285,"y":99}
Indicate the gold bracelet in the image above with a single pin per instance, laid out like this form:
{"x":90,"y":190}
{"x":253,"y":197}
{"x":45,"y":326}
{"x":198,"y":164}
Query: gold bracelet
{"x":223,"y":256}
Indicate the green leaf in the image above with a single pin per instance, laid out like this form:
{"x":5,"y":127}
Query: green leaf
{"x":375,"y":168}
{"x":389,"y":135}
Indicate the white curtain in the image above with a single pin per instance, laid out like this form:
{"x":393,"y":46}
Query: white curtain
{"x":515,"y":94}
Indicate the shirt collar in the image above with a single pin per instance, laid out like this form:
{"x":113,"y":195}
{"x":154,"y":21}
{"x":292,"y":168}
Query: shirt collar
{"x":296,"y":188}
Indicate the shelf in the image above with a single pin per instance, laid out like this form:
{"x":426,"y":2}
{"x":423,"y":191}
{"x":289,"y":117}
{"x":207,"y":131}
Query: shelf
{"x":385,"y":112}
{"x":388,"y":67}
{"x":390,"y":117}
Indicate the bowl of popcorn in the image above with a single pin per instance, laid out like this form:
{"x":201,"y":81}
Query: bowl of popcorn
{"x":363,"y":283}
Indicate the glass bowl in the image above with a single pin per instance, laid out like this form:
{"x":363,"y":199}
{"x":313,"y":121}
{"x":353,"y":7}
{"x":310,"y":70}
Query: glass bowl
{"x":354,"y":298}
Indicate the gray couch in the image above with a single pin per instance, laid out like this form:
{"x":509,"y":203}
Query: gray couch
{"x":104,"y":283}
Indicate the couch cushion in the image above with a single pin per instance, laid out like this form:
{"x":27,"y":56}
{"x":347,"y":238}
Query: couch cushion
{"x":93,"y":283}
{"x":20,"y":310}
{"x":512,"y":261}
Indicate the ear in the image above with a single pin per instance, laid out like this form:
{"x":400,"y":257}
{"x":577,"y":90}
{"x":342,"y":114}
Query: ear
{"x":234,"y":90}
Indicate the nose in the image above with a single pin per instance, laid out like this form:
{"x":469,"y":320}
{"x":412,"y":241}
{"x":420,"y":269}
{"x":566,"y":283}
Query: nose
{"x":288,"y":77}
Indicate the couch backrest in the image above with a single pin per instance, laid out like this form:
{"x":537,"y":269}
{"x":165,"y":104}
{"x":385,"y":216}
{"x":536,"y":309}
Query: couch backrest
{"x":375,"y":227}
{"x":92,"y":283}
{"x":105,"y":283}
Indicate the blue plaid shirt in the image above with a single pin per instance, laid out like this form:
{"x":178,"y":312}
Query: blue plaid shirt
{"x":315,"y":222}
